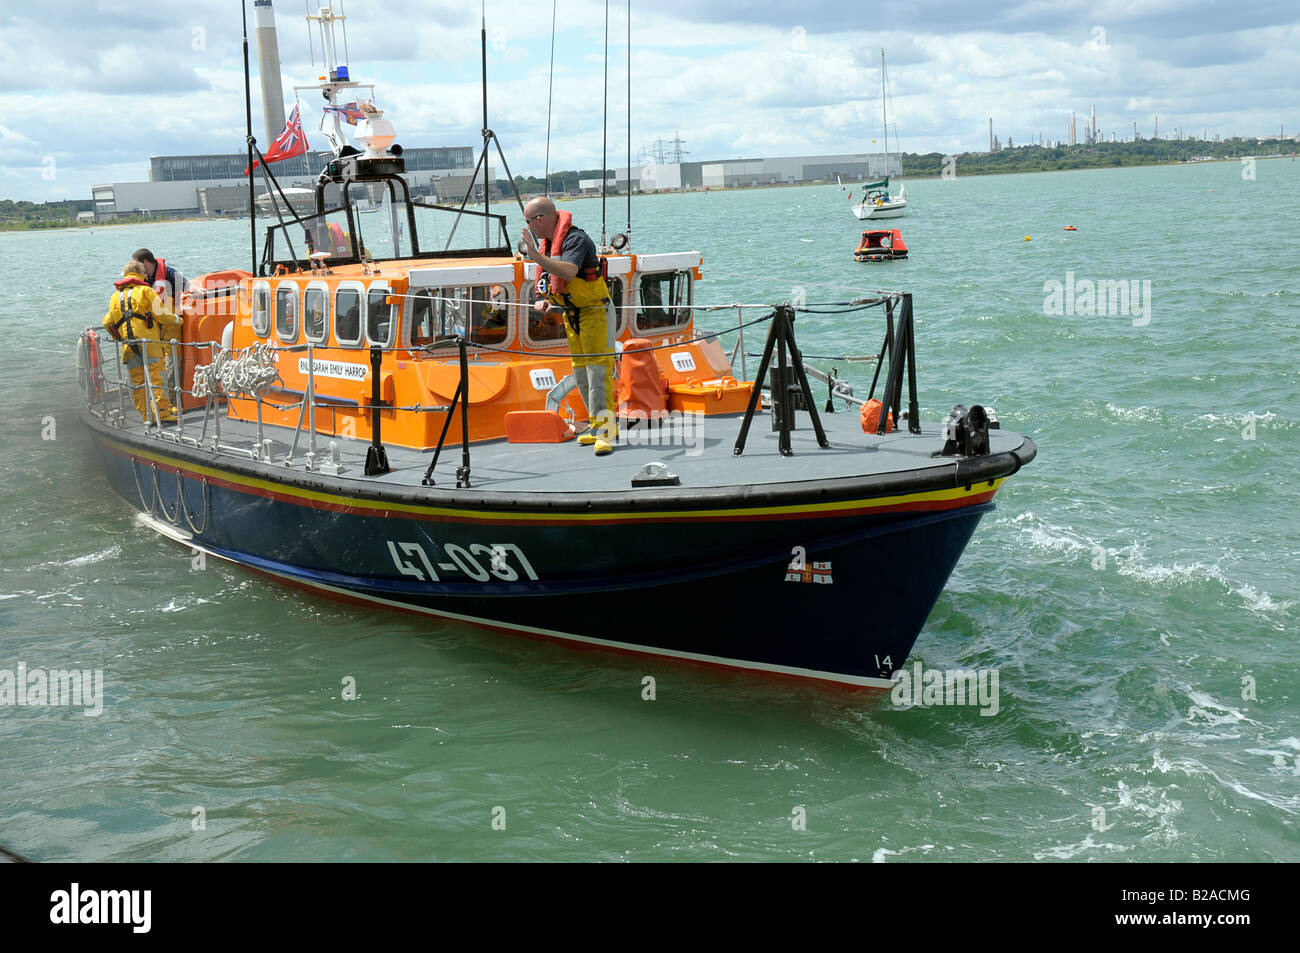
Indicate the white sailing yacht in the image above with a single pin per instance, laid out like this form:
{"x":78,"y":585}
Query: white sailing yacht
{"x":876,"y":200}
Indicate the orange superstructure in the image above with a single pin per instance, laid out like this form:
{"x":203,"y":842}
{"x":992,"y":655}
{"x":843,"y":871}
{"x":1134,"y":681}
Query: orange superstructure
{"x":322,"y":324}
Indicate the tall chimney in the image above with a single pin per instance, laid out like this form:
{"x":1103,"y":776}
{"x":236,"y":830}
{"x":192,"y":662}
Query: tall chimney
{"x":1157,"y":133}
{"x":990,"y":133}
{"x":268,"y":69}
{"x":1094,"y":123}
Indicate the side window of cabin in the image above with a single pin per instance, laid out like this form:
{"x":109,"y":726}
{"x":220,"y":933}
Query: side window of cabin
{"x":489,"y":314}
{"x":620,"y":305}
{"x":286,"y":314}
{"x":379,"y":317}
{"x":261,"y":311}
{"x":665,"y":300}
{"x":422,"y":317}
{"x":347,"y":316}
{"x":451,"y":307}
{"x":540,"y":329}
{"x":315,"y":314}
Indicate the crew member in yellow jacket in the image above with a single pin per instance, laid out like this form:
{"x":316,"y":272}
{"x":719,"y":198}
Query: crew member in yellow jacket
{"x":571,"y":279}
{"x":136,"y":317}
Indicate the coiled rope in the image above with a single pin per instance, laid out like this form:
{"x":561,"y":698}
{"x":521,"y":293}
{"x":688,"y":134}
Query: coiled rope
{"x":250,"y":374}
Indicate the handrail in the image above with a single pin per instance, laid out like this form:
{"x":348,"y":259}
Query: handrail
{"x":897,"y":352}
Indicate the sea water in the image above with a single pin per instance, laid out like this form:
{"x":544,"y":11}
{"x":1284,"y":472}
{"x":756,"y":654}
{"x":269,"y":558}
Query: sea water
{"x":1135,"y":593}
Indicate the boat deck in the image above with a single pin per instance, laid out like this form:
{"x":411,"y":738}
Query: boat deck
{"x":698,"y":450}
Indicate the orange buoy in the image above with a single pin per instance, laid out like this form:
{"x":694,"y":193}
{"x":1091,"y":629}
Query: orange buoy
{"x":1070,"y":228}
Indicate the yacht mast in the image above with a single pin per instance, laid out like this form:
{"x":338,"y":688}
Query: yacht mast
{"x":884,"y":114}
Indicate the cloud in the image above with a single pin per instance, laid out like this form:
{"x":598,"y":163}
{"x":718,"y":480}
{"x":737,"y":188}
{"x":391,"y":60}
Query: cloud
{"x":732,"y":77}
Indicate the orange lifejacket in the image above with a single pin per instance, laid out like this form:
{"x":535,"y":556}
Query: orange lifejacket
{"x":340,"y":242}
{"x":554,"y":284}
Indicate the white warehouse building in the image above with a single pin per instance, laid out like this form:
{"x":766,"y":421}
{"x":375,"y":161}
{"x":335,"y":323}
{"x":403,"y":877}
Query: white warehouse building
{"x":739,"y":173}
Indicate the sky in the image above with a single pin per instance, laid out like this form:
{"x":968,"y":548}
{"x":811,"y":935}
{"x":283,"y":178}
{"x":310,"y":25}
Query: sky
{"x":92,"y":90}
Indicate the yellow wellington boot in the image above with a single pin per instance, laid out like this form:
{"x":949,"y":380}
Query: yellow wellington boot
{"x":604,"y":441}
{"x":588,"y":436}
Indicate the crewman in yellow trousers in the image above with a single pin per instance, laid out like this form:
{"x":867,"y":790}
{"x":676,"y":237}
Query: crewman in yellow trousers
{"x":571,"y":280}
{"x":136,"y":317}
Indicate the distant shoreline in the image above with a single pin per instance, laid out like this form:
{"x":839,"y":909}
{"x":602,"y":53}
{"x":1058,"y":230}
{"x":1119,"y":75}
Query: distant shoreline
{"x":21,"y":226}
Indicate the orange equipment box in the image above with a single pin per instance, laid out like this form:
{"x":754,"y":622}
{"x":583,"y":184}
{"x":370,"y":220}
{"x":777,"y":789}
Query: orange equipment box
{"x":722,"y":395}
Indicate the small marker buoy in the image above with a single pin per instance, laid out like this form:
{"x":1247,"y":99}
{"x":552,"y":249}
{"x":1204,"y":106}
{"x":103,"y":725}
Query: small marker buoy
{"x":1026,"y":238}
{"x":1070,"y":228}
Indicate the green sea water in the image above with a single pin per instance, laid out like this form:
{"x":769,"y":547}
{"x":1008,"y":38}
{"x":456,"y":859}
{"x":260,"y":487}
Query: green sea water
{"x":1136,"y":589}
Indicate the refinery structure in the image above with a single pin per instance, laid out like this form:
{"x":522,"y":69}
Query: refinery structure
{"x":1092,"y":136}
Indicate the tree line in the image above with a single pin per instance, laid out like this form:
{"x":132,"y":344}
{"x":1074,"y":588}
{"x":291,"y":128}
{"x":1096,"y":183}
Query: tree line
{"x":24,"y":214}
{"x":1036,"y":158}
{"x":560,"y":182}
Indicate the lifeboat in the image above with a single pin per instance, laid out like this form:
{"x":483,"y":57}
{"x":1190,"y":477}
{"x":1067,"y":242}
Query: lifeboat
{"x":880,"y":245}
{"x":386,"y":419}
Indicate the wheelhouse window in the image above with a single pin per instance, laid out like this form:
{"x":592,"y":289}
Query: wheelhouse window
{"x":380,"y":317}
{"x":261,"y":311}
{"x":315,"y":314}
{"x":347,"y":315}
{"x":665,"y":300}
{"x":286,"y":313}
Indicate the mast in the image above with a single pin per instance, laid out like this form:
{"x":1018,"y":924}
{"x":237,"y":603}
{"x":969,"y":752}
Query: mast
{"x":884,"y":114}
{"x":248,"y":119}
{"x":487,"y":136}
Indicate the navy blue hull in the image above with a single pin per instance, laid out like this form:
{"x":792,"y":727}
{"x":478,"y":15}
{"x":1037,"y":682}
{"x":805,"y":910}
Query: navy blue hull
{"x":718,"y":590}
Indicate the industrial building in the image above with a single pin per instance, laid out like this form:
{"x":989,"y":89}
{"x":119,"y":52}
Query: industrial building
{"x":743,"y":173}
{"x":216,"y":185}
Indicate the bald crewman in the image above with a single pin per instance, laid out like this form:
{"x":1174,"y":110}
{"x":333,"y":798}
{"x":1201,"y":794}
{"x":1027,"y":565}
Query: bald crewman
{"x":572,"y":279}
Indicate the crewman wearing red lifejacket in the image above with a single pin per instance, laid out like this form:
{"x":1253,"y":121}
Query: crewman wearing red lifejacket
{"x":168,"y":284}
{"x":137,"y":318}
{"x":572,"y":280}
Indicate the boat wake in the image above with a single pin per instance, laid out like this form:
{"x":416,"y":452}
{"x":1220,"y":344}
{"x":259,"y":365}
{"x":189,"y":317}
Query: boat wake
{"x":1131,"y":561}
{"x":111,"y":552}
